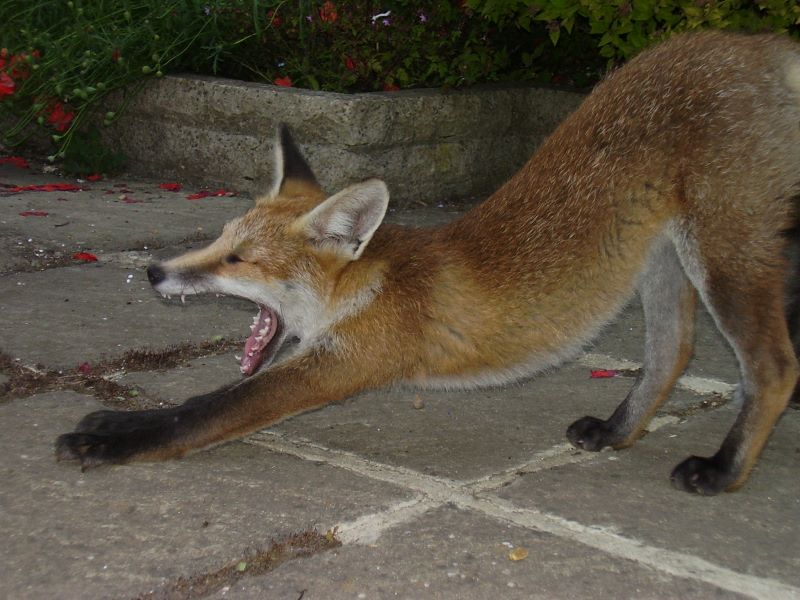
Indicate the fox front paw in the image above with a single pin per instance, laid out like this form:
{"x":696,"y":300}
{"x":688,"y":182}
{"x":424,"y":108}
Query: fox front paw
{"x":704,"y":476}
{"x":114,"y":437}
{"x":90,"y":450}
{"x":590,"y":433}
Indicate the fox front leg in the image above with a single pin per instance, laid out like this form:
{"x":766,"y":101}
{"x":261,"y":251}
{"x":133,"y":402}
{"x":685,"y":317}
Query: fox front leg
{"x":116,"y":437}
{"x":668,"y":299}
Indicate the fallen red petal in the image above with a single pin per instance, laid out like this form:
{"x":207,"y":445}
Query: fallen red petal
{"x":17,"y":161}
{"x":207,"y":194}
{"x":33,"y":213}
{"x":85,"y":368}
{"x":603,"y":373}
{"x":84,"y":256}
{"x":47,"y":187}
{"x":172,"y":187}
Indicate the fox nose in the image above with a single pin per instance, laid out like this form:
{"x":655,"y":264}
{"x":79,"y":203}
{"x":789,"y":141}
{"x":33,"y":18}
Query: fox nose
{"x":155,"y":274}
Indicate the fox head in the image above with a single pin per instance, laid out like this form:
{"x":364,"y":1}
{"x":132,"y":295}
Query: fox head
{"x":286,"y":255}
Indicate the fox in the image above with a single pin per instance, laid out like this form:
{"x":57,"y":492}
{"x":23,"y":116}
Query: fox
{"x":676,"y":178}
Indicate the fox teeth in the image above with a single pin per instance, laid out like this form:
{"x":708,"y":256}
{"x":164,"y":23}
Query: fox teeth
{"x":250,"y":354}
{"x":252,"y":327}
{"x":262,"y":332}
{"x":238,"y":357}
{"x":259,"y":337}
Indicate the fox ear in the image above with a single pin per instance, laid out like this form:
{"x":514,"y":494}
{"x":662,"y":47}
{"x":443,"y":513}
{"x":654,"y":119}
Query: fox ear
{"x":346,"y":221}
{"x":292,"y":174}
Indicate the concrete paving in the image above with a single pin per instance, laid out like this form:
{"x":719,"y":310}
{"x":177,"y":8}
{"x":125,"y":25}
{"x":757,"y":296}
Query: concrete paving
{"x":431,"y":494}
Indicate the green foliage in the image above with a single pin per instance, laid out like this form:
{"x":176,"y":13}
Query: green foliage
{"x":60,"y":59}
{"x":624,"y":27}
{"x":87,"y":155}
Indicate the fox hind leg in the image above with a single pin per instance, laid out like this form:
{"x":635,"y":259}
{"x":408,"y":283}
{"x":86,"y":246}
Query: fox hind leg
{"x":743,"y":287}
{"x":669,"y":301}
{"x":793,"y":297}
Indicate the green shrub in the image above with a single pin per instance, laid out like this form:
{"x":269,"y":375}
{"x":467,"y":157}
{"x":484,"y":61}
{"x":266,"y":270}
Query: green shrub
{"x":624,"y":27}
{"x":60,"y":58}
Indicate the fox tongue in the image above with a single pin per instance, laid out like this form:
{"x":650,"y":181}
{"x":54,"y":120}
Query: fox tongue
{"x":263,"y":329}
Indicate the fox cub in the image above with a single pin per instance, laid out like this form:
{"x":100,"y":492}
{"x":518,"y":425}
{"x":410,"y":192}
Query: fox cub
{"x":676,"y":177}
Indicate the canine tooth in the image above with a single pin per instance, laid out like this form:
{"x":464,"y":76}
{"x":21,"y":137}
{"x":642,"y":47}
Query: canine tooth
{"x":262,"y":331}
{"x":259,"y":338}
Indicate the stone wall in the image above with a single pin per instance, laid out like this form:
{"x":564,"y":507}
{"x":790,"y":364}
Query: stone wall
{"x":427,"y":145}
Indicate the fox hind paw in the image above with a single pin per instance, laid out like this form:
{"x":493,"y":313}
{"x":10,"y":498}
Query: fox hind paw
{"x":703,"y":476}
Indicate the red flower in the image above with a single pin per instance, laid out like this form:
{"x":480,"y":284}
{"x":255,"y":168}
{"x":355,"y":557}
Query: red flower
{"x":33,"y":213}
{"x":3,"y":55}
{"x":390,"y":87}
{"x":328,"y":12}
{"x":115,"y":55}
{"x":350,"y":64}
{"x":6,"y":85}
{"x":172,"y":187}
{"x":18,"y":65}
{"x":17,"y":161}
{"x":274,"y":19}
{"x":58,"y":117}
{"x":84,"y":256}
{"x":283,"y":81}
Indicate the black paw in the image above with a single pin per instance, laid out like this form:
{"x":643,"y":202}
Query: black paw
{"x":590,"y":433}
{"x":89,"y":449}
{"x":704,"y":476}
{"x":114,"y":437}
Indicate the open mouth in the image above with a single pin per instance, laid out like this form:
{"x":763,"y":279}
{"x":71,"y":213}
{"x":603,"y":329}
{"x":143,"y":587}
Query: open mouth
{"x":263,"y":341}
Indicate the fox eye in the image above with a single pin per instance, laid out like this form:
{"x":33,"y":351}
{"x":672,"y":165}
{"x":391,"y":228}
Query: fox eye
{"x":233,"y":259}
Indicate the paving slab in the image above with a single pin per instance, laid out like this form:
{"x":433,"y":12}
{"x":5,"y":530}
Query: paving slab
{"x":64,"y":317}
{"x":451,"y":553}
{"x":198,"y":376}
{"x":460,"y":435}
{"x":103,"y":217}
{"x":755,"y":530}
{"x":465,"y":435}
{"x":120,"y":531}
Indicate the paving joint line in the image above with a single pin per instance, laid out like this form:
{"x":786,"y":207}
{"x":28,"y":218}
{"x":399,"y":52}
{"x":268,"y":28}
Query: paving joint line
{"x":432,"y":492}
